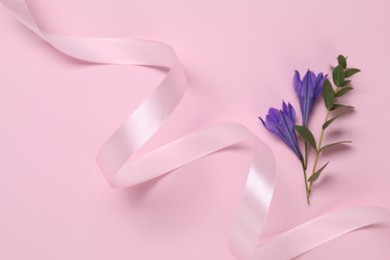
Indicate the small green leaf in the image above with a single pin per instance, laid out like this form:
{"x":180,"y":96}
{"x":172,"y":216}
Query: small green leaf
{"x":342,"y":61}
{"x":327,"y":123}
{"x":343,"y":91}
{"x":331,"y":145}
{"x":315,"y":175}
{"x":351,"y":72}
{"x":346,"y":82}
{"x":338,"y":76}
{"x":339,"y":106}
{"x":305,"y":133}
{"x":328,"y":94}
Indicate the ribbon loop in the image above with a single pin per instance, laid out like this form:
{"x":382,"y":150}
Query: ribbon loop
{"x":121,"y":169}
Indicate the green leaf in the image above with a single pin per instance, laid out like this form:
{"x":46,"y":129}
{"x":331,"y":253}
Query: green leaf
{"x":331,"y":145}
{"x":346,"y":82}
{"x":328,"y":94}
{"x":315,"y":175}
{"x":342,"y":61}
{"x":327,"y":123}
{"x":343,"y":91}
{"x":306,"y":134}
{"x":339,"y":106}
{"x":338,"y":76}
{"x":351,"y":72}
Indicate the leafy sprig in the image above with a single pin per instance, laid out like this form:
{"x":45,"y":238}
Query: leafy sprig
{"x":331,"y":93}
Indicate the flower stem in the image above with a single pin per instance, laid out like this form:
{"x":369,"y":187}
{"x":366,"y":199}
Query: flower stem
{"x":306,"y":148}
{"x":306,"y":186}
{"x":318,"y":151}
{"x":305,"y":175}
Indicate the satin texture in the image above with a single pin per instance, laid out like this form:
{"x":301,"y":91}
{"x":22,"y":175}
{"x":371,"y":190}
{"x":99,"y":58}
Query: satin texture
{"x":122,"y":169}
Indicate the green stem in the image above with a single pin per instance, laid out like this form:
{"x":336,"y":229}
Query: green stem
{"x":306,"y":148}
{"x":306,"y":186}
{"x":305,"y":175}
{"x":318,"y":151}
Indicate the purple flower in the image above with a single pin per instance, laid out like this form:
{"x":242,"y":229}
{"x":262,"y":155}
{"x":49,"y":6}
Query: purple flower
{"x":308,"y":89}
{"x":281,"y":123}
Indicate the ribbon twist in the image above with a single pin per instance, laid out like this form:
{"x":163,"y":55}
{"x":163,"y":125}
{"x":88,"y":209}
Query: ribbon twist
{"x":120,"y":168}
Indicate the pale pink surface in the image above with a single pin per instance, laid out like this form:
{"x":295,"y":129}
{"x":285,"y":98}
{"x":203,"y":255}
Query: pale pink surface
{"x":239,"y":56}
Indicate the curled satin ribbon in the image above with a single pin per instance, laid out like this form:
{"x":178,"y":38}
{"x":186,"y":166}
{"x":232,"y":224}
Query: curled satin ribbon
{"x":120,"y":168}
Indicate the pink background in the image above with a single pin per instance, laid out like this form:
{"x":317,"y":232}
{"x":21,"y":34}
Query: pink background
{"x":240,"y":57}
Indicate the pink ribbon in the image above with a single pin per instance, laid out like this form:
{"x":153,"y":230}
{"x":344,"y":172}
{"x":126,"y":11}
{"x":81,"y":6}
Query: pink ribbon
{"x":121,"y":169}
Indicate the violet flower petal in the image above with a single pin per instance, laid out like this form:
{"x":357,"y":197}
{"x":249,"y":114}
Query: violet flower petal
{"x":281,"y":123}
{"x":308,"y":90}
